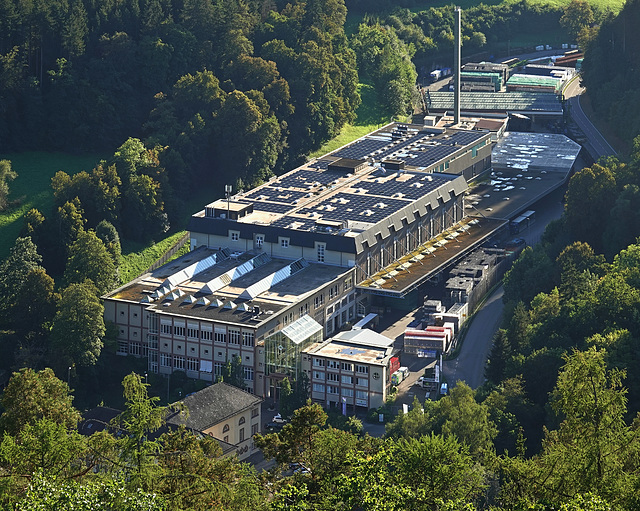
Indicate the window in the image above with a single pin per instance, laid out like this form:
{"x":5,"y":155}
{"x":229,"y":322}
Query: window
{"x":220,"y":337}
{"x":255,"y":412}
{"x":361,"y":394}
{"x":206,"y":335}
{"x":332,"y":377}
{"x":332,"y":389}
{"x":234,"y":336}
{"x":247,"y":373}
{"x":333,"y":292}
{"x":317,"y":375}
{"x":348,"y":380}
{"x":241,"y":434}
{"x":362,"y":382}
{"x":165,"y":360}
{"x":318,"y":362}
{"x":346,"y":366}
{"x":318,"y":301}
{"x":348,"y":283}
{"x":247,"y":338}
{"x":234,"y":235}
{"x":284,"y":242}
{"x":206,"y":366}
{"x":254,"y":429}
{"x":241,"y":421}
{"x":347,"y":392}
{"x":226,"y":439}
{"x":192,"y":333}
{"x":320,"y":252}
{"x":362,"y":369}
{"x":259,"y":240}
{"x":217,"y":368}
{"x":192,"y":364}
{"x":165,"y":329}
{"x":134,"y":348}
{"x":178,"y":331}
{"x":178,"y":362}
{"x":333,"y":364}
{"x":123,"y":346}
{"x":225,"y":428}
{"x":304,"y":309}
{"x":318,"y":387}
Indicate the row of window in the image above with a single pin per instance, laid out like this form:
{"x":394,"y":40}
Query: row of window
{"x":205,"y":366}
{"x":333,"y":389}
{"x":345,"y":366}
{"x":235,"y":336}
{"x":345,"y":378}
{"x":284,"y":243}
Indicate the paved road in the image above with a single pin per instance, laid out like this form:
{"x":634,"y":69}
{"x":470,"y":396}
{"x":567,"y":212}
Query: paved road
{"x":469,"y":364}
{"x":596,"y":143}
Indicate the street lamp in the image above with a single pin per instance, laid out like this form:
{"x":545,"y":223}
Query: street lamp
{"x":69,"y":375}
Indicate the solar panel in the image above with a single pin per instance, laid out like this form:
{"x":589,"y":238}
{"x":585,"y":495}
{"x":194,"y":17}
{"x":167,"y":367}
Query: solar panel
{"x":304,"y":224}
{"x":361,"y":148}
{"x":320,"y":164}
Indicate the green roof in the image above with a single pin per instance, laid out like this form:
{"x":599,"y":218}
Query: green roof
{"x":540,"y":81}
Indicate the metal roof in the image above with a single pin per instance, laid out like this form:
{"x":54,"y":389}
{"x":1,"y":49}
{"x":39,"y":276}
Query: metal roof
{"x":542,"y":102}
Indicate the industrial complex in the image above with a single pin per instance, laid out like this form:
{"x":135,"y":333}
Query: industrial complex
{"x":278,"y":276}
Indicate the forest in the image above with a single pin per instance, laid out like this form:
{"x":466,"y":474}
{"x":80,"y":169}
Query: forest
{"x":183,"y":93}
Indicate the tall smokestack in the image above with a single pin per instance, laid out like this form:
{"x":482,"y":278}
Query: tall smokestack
{"x":456,"y":66}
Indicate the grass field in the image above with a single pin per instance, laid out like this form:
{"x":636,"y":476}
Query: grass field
{"x":32,"y":187}
{"x":354,"y":18}
{"x":369,"y":118}
{"x":138,"y":257}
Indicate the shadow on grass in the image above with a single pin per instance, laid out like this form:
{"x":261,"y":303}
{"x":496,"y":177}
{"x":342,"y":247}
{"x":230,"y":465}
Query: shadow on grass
{"x":370,"y":111}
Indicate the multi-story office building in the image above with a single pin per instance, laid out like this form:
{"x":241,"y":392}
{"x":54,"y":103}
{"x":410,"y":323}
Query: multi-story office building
{"x":352,"y":367}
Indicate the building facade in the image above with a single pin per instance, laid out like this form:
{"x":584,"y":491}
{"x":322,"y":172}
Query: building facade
{"x":276,"y":269}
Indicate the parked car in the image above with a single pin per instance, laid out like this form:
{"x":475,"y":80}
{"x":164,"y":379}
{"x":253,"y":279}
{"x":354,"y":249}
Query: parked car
{"x":278,"y":419}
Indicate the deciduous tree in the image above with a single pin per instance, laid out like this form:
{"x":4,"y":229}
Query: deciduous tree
{"x":31,"y":396}
{"x":78,"y":326}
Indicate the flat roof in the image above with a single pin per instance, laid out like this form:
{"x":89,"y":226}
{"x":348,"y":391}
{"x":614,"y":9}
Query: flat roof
{"x":229,"y":303}
{"x":416,"y":267}
{"x":522,"y":102}
{"x":526,"y":167}
{"x":301,"y":198}
{"x":363,"y":346}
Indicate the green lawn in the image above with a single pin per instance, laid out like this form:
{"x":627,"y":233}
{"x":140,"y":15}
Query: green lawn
{"x":369,"y":118}
{"x":32,"y":187}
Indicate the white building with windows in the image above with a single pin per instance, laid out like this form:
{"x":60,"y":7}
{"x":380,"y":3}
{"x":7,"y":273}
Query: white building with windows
{"x":352,"y":367}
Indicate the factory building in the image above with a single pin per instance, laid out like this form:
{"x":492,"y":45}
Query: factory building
{"x":279,"y":268}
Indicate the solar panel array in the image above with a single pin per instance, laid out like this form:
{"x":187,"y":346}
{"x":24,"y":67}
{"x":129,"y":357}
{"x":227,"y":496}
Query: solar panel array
{"x":361,"y":148}
{"x":280,"y":194}
{"x":429,"y":156}
{"x":466,"y":137}
{"x":361,"y":208}
{"x":304,"y":224}
{"x":302,"y":178}
{"x":271,"y":207}
{"x":412,"y":188}
{"x":320,"y":164}
{"x":373,"y":197}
